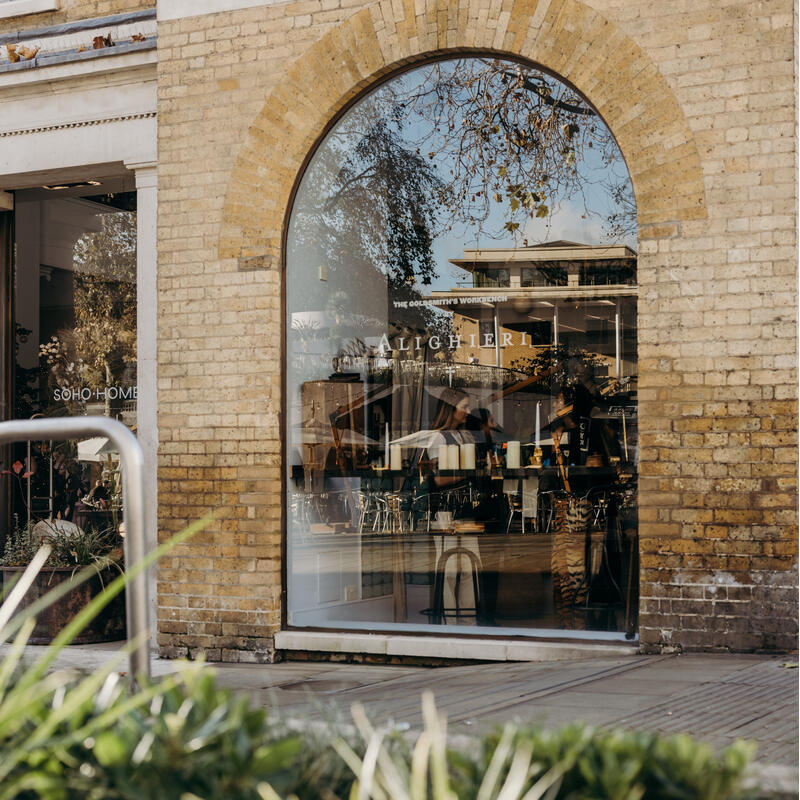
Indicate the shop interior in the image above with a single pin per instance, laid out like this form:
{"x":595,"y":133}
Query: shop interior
{"x":489,"y":484}
{"x":75,"y":340}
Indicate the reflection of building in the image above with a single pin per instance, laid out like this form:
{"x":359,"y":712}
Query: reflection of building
{"x":560,"y":293}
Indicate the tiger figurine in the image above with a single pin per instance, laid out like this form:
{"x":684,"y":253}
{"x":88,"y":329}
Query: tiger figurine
{"x":568,"y":560}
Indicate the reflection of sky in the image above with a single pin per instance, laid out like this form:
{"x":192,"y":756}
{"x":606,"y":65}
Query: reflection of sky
{"x":579,"y":219}
{"x":569,"y":218}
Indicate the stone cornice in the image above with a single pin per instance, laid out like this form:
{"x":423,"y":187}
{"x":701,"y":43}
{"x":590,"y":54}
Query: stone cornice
{"x":78,"y":124}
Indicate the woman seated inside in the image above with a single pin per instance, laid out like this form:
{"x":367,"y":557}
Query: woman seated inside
{"x":449,"y":427}
{"x":489,"y":436}
{"x":99,"y":497}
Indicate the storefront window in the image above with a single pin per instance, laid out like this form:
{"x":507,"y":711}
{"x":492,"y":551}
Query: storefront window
{"x":546,"y":275}
{"x":75,"y":320}
{"x":488,"y":278}
{"x":459,"y":457}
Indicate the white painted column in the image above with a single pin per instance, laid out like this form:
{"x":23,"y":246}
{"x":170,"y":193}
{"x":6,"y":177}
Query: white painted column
{"x":146,"y":350}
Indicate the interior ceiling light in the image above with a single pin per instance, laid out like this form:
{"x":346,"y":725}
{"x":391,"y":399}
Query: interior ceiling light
{"x":55,"y":186}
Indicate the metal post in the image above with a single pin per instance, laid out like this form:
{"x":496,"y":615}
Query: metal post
{"x":617,"y":342}
{"x":555,"y":324}
{"x":63,"y":428}
{"x":50,"y":497}
{"x":498,"y":359}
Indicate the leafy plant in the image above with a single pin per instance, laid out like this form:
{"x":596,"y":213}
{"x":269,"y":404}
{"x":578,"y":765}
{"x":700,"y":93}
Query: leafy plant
{"x":63,"y":736}
{"x":73,"y":547}
{"x":575,"y":763}
{"x":99,"y":350}
{"x":39,"y":710}
{"x":175,"y":737}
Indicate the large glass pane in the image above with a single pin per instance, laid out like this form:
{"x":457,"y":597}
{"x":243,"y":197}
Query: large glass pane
{"x":461,"y":362}
{"x":75,"y":318}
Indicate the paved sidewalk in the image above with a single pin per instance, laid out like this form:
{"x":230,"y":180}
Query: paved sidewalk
{"x":716,"y":698}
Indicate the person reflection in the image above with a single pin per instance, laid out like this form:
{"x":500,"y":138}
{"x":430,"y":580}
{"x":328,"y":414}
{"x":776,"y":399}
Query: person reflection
{"x":455,"y":424}
{"x":450,"y":427}
{"x":488,"y":434}
{"x":99,"y":497}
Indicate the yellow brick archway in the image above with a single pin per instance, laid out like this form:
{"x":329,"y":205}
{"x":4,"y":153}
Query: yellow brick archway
{"x":565,"y":37}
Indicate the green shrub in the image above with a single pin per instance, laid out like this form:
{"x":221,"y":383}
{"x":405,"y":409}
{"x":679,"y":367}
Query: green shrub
{"x":595,"y":763}
{"x":183,"y":738}
{"x":79,"y":548}
{"x":575,"y":763}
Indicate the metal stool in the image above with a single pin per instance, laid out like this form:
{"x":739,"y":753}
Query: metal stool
{"x":438,"y":614}
{"x":515,"y":506}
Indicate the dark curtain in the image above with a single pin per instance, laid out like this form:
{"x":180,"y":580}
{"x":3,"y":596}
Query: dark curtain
{"x":7,"y":356}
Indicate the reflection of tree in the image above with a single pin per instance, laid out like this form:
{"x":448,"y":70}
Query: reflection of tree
{"x":370,"y":202}
{"x":560,"y":367}
{"x":482,"y":143}
{"x":446,"y":144}
{"x":98,"y":350}
{"x":392,"y":190}
{"x":510,"y":134}
{"x":365,"y":219}
{"x":622,"y":222}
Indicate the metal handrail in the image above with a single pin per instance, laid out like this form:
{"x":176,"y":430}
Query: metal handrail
{"x":63,"y":428}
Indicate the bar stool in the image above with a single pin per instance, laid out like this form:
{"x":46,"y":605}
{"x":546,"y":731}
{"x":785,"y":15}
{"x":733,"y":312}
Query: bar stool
{"x":438,"y":614}
{"x":515,"y":506}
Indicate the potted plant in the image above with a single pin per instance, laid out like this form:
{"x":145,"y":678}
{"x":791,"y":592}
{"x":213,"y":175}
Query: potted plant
{"x":72,"y":549}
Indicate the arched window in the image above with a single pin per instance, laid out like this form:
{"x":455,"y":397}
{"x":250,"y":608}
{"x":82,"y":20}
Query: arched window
{"x":461,"y":369}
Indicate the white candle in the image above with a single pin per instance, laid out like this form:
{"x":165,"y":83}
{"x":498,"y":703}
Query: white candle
{"x":538,"y":423}
{"x":468,"y":455}
{"x":512,"y":455}
{"x":452,"y":456}
{"x":443,"y":457}
{"x":396,"y":463}
{"x":386,"y":449}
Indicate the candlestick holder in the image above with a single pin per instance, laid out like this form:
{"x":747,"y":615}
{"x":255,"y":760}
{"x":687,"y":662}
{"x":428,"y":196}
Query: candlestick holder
{"x":536,"y":458}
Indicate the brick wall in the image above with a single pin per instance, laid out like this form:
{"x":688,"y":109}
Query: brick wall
{"x":219,"y":335}
{"x":701,"y":98}
{"x":72,"y":10}
{"x":717,"y":347}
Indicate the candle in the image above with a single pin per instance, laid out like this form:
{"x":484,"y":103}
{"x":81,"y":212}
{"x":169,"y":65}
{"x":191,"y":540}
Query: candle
{"x":443,"y":457}
{"x":512,"y":455}
{"x":386,"y":449}
{"x":624,"y":435}
{"x":452,"y":456}
{"x":538,"y":423}
{"x":396,"y":458}
{"x":468,"y":455}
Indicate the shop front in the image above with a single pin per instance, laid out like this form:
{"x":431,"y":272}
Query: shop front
{"x":464,"y":338}
{"x":471,"y":324}
{"x":77,"y":261}
{"x":461,"y":405}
